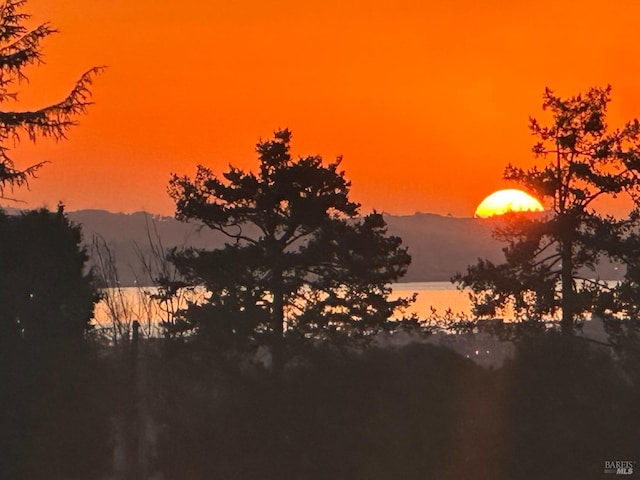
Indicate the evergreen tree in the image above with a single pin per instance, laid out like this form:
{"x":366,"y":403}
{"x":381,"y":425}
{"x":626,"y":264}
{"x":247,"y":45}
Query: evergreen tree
{"x":20,"y":47}
{"x":47,"y":297}
{"x":53,"y":388}
{"x":53,"y":418}
{"x":298,"y":260}
{"x":547,"y":254}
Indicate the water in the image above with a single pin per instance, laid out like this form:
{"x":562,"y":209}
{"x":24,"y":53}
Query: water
{"x":132,"y":303}
{"x":440,"y":296}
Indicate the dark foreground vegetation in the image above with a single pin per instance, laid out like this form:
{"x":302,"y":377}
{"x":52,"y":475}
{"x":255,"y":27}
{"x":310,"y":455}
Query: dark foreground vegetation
{"x":558,"y":409}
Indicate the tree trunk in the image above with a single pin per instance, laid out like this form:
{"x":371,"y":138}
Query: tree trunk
{"x":277,"y":324}
{"x":568,"y":288}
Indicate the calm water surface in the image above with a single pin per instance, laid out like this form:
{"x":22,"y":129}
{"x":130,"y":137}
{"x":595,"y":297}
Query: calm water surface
{"x":438,"y":295}
{"x":131,"y":302}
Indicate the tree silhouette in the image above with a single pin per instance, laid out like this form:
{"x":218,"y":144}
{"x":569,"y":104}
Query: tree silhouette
{"x":545,"y":254}
{"x":48,"y":374}
{"x":45,"y":293}
{"x":20,"y":47}
{"x":298,"y":260}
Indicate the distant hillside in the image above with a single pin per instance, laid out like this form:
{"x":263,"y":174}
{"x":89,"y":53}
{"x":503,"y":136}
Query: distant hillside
{"x":126,"y":234}
{"x":440,"y":246}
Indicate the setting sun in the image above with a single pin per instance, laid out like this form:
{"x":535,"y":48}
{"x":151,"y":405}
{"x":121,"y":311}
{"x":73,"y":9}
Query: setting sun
{"x":503,"y":201}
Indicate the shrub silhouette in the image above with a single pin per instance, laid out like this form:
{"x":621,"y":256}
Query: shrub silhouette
{"x":53,"y":388}
{"x":558,"y":409}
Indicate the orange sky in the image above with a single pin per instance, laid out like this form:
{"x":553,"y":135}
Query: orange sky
{"x":426,"y":100}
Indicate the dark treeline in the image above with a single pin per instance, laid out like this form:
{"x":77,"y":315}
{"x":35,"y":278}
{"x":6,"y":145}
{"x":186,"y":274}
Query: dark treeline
{"x":558,"y":409}
{"x":195,"y":407}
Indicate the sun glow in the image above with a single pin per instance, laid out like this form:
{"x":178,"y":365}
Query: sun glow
{"x":503,"y":201}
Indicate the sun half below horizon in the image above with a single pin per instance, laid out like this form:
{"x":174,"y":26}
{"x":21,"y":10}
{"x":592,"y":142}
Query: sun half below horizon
{"x":509,"y":200}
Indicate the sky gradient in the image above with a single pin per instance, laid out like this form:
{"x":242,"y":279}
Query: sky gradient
{"x":427,"y":101}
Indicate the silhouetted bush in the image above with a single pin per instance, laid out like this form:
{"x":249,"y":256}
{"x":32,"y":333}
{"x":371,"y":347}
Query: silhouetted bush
{"x":378,"y":414}
{"x":558,"y":409}
{"x":55,"y":416}
{"x":54,"y":390}
{"x":571,"y":407}
{"x":46,"y":294}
